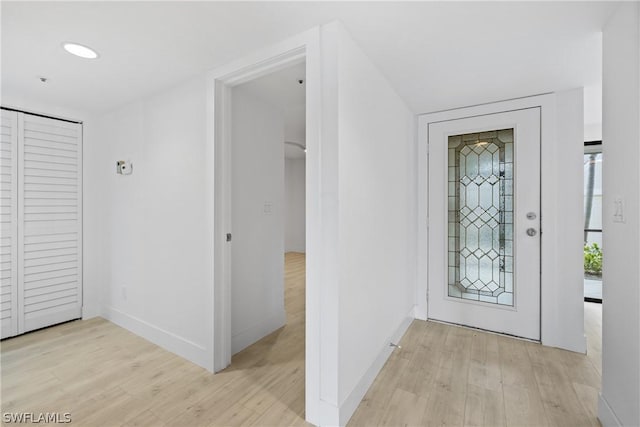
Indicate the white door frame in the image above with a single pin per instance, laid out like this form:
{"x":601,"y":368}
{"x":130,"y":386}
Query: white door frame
{"x":551,"y":297}
{"x":304,"y":47}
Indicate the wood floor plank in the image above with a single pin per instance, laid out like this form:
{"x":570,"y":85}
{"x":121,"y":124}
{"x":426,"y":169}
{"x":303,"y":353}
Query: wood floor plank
{"x":404,"y":408}
{"x":557,"y":393}
{"x":523,"y":406}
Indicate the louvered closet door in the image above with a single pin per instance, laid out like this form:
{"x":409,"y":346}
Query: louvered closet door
{"x":9,"y":224}
{"x":49,"y":222}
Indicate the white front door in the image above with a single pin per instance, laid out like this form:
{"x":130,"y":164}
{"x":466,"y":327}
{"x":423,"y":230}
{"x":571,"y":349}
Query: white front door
{"x":484,"y":222}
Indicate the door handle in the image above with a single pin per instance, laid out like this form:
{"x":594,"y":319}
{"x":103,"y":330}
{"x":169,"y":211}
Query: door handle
{"x":531,"y":232}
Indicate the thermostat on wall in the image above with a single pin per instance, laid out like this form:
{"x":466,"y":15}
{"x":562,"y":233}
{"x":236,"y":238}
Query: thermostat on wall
{"x":124,"y":168}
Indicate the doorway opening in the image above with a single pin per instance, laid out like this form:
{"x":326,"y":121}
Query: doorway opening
{"x":265,"y":221}
{"x":304,"y":48}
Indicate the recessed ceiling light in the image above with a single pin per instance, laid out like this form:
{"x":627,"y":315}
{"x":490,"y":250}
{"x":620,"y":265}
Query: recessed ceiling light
{"x":80,"y":50}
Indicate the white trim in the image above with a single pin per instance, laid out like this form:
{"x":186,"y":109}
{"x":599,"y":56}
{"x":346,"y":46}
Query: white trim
{"x":41,"y":112}
{"x":605,"y":414}
{"x":20,"y":236}
{"x":551,"y":334}
{"x":169,"y":341}
{"x":245,"y":338}
{"x":422,"y":290}
{"x":305,"y":46}
{"x":80,"y":216}
{"x":14,"y":233}
{"x":351,"y":403}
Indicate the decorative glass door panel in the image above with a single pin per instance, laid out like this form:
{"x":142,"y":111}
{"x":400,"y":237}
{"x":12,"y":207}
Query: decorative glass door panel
{"x":480,"y":216}
{"x":484,"y":220}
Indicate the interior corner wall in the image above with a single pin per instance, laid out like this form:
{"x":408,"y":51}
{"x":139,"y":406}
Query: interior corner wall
{"x":94,"y":270}
{"x":257,"y":219}
{"x":294,"y":220}
{"x":620,"y":394}
{"x":153,"y":220}
{"x":376,"y":221}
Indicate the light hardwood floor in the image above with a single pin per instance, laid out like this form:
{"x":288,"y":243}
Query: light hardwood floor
{"x":443,"y":375}
{"x":452,"y":376}
{"x":106,"y":376}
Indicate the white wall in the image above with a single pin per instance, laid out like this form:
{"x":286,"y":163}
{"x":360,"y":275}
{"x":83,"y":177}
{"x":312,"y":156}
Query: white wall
{"x":620,"y":395}
{"x":562,"y":226}
{"x":369,"y":200}
{"x":154,"y":220}
{"x":258,"y":211}
{"x":593,"y":112}
{"x":294,"y":123}
{"x":94,"y":269}
{"x":294,"y":218}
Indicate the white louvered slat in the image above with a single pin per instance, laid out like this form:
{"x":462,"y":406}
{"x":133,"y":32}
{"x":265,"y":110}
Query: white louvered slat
{"x":68,"y":287}
{"x":48,"y":128}
{"x":64,"y":277}
{"x":50,"y":217}
{"x":48,"y":159}
{"x":55,"y":151}
{"x":9,"y":224}
{"x":50,"y":260}
{"x":35,"y":310}
{"x":49,"y":179}
{"x":50,"y":253}
{"x":44,"y":296}
{"x":60,"y":143}
{"x":45,"y":246}
{"x":50,"y":166}
{"x":50,"y":173}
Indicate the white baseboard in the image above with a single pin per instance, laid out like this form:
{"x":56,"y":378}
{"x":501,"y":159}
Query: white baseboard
{"x":189,"y":350}
{"x":351,"y":403}
{"x":605,"y":414}
{"x":243,"y":339}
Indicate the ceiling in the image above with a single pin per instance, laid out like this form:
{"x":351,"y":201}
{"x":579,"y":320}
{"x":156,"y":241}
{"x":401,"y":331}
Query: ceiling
{"x":283,"y":90}
{"x":437,"y":55}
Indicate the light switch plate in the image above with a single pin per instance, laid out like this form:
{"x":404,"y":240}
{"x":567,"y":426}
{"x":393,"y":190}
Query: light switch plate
{"x":618,"y":210}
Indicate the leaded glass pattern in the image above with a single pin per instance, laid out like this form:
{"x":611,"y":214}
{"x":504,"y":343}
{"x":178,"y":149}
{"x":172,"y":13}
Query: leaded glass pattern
{"x":480,"y":220}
